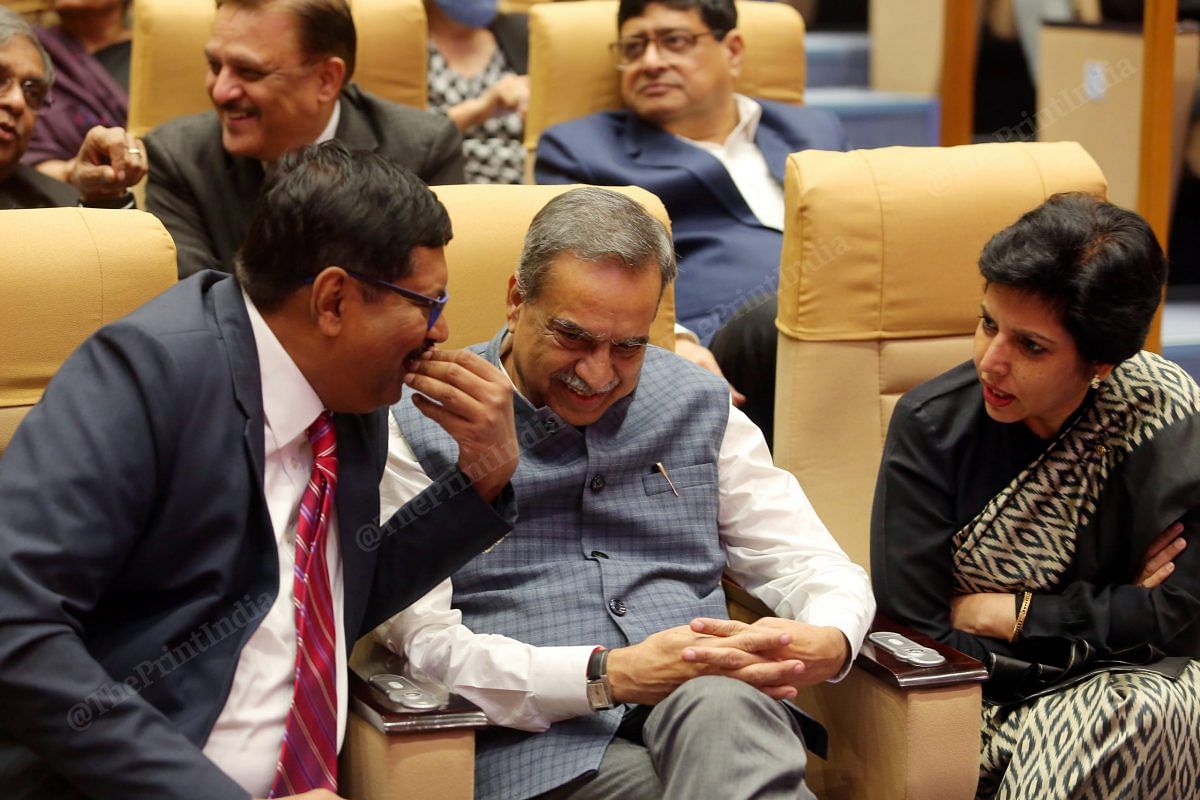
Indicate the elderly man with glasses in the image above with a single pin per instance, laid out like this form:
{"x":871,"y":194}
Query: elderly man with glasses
{"x":109,"y":160}
{"x":716,"y":159}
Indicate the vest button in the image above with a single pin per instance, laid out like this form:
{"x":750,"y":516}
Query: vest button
{"x":550,"y":426}
{"x":599,"y":554}
{"x":617,"y":607}
{"x":597,"y":483}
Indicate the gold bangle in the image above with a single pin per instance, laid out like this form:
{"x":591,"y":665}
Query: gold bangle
{"x":1021,"y":617}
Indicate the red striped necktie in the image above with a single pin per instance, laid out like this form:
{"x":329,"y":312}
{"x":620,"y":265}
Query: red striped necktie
{"x":308,"y":759}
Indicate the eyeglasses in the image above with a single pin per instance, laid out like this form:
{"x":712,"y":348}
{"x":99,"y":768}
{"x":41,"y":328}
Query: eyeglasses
{"x":627,"y":52}
{"x":434,"y":304}
{"x":36,"y":92}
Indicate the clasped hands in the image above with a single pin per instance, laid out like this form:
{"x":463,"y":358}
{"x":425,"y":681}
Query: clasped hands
{"x":774,"y":655}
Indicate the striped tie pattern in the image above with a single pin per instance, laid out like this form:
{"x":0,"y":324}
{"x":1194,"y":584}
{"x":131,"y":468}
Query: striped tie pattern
{"x":308,"y":759}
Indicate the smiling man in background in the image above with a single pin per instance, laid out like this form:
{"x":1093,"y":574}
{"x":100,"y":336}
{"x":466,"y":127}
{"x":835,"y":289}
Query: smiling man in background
{"x":279,"y":78}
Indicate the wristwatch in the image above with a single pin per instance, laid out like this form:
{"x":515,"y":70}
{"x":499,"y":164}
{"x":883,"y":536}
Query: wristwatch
{"x":599,"y":691}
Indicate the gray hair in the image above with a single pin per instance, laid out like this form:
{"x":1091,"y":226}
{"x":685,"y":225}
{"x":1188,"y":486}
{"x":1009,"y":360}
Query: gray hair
{"x":13,"y":24}
{"x":593,"y":225}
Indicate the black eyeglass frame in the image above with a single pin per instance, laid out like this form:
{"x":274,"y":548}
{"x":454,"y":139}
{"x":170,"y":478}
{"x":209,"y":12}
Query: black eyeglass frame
{"x":435,"y":304}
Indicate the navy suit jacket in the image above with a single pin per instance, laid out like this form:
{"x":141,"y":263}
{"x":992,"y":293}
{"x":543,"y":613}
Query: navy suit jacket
{"x":727,"y":258}
{"x":136,"y":548}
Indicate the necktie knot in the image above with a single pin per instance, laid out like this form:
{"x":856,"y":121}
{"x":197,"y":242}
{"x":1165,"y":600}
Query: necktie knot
{"x":324,"y":446}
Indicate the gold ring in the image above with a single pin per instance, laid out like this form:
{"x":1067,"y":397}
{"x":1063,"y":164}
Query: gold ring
{"x":133,"y":151}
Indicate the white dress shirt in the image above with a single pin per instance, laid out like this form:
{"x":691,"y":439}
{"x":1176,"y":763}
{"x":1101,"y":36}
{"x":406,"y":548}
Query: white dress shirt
{"x":747,"y":166}
{"x":248,"y":735}
{"x":775,"y":547}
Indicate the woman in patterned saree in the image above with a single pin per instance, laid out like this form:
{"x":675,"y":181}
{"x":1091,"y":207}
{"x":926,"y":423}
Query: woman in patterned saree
{"x":1037,"y":509}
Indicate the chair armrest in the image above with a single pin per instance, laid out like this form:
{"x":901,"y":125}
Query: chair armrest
{"x":959,"y":667}
{"x":389,"y":755}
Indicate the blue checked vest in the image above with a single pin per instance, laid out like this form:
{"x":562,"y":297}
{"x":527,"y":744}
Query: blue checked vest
{"x":603,"y":551}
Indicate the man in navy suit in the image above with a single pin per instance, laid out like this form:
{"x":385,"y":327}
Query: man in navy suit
{"x":156,"y":599}
{"x":716,"y":159}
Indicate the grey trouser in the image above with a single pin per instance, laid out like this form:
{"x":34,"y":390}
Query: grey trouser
{"x":712,"y":738}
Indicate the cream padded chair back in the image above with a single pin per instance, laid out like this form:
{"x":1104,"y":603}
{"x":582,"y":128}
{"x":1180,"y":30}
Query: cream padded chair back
{"x":167,"y":66}
{"x":879,"y":291}
{"x":64,"y":272}
{"x":571,"y":73}
{"x":489,"y":228}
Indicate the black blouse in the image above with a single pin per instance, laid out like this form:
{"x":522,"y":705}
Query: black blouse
{"x":945,"y":458}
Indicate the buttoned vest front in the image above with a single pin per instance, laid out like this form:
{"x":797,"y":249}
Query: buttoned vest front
{"x":603,"y":551}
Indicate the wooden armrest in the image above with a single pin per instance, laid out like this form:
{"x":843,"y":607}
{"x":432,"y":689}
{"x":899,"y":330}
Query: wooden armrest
{"x":434,"y":755}
{"x":959,"y":667}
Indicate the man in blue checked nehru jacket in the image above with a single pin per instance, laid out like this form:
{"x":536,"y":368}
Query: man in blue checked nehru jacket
{"x":639,"y":484}
{"x":188,"y":548}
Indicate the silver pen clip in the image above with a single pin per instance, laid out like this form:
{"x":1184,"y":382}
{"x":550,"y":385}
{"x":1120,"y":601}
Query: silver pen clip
{"x":658,"y":465}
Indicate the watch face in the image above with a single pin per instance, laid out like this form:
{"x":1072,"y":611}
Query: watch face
{"x":599,"y":694}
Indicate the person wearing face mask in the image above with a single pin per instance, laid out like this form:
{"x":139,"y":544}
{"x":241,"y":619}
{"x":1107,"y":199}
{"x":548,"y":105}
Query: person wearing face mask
{"x":1037,"y":508}
{"x":596,"y":637}
{"x":477,"y":64}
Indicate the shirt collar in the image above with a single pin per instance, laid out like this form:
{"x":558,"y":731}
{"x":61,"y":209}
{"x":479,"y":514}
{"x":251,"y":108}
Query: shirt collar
{"x":290,"y":404}
{"x":749,"y":114}
{"x":334,"y":119}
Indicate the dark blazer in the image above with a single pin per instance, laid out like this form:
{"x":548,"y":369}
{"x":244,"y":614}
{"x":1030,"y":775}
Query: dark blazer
{"x":206,"y":197}
{"x":512,"y":37}
{"x":726,"y":257}
{"x":28,"y":188}
{"x":136,"y":548}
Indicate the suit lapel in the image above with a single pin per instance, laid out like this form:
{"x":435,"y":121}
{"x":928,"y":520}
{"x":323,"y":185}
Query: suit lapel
{"x":353,"y":129}
{"x":242,"y":352}
{"x":357,"y":507}
{"x":774,"y":149}
{"x":650,"y":146}
{"x":246,"y":178}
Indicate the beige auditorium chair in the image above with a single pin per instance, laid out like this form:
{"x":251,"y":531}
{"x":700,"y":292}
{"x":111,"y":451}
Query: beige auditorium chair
{"x":571,"y":73}
{"x":879,"y":291}
{"x":167,"y":66}
{"x":489,"y":228}
{"x":64,"y":272}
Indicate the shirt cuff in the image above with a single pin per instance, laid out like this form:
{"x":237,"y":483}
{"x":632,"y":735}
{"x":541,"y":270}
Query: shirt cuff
{"x":559,"y":678}
{"x":851,"y":627}
{"x":123,"y":202}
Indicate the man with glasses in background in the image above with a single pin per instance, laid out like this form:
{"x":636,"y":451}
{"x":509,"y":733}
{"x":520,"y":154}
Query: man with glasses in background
{"x":716,"y":159}
{"x":109,"y":161}
{"x":279,"y":78}
{"x":638,"y":485}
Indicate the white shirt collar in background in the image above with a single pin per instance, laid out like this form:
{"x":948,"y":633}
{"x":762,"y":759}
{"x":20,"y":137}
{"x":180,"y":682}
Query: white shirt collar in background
{"x":747,"y":166}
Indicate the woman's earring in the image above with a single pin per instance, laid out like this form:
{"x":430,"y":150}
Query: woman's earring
{"x":1095,"y":384}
